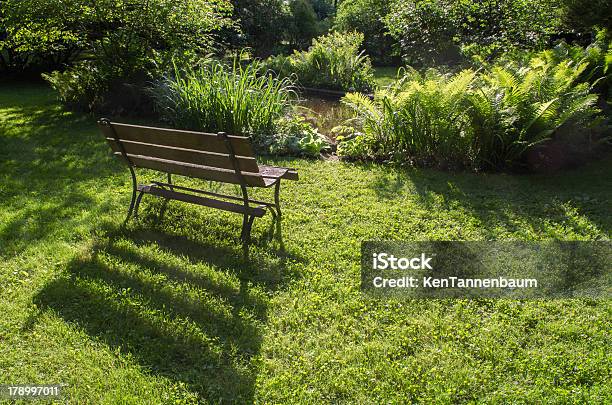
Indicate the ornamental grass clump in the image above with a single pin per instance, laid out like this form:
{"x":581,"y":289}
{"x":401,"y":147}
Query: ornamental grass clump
{"x":236,"y":99}
{"x":240,"y":100}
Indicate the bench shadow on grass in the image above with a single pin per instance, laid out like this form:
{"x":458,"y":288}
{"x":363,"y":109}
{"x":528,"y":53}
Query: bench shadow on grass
{"x":187,"y":310}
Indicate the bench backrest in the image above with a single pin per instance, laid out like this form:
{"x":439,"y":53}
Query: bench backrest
{"x":188,"y":153}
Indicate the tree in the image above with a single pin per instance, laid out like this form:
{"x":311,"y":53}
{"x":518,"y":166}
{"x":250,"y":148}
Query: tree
{"x":583,"y":15}
{"x":323,"y":8}
{"x":434,"y":31}
{"x":117,"y":31}
{"x":367,"y":17}
{"x":262,"y":24}
{"x":304,"y":25}
{"x":127,"y":43}
{"x":37,"y":36}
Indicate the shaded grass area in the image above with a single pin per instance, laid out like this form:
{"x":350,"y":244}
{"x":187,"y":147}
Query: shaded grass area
{"x":385,"y":75}
{"x":167,"y":309}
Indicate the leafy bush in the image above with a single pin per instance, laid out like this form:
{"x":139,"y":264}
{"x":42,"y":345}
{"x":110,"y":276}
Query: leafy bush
{"x":478,"y":120}
{"x":434,"y":31}
{"x":275,"y":26}
{"x":333,"y":62}
{"x":90,"y":86}
{"x":583,"y":15}
{"x":295,"y":136}
{"x":303,"y":25}
{"x":132,"y":42}
{"x":236,"y":99}
{"x":367,"y":17}
{"x":255,"y":17}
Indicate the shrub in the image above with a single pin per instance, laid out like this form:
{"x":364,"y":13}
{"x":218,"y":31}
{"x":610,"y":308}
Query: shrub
{"x":479,"y":120}
{"x":303,"y":25}
{"x":255,"y":18}
{"x":367,"y":17}
{"x":333,"y":62}
{"x":583,"y":15}
{"x":237,"y":99}
{"x":90,"y":86}
{"x":434,"y":31}
{"x":132,"y":42}
{"x":80,"y":87}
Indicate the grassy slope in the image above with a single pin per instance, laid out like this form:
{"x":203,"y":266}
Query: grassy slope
{"x":169,"y":310}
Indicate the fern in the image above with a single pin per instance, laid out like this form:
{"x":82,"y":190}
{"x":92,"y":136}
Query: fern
{"x":485,"y":119}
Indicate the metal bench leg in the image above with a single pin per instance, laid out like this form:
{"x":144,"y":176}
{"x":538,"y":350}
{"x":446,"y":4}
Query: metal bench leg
{"x":277,"y":197}
{"x":134,"y":187}
{"x":138,"y":204}
{"x":170,"y":182}
{"x":247,"y":224}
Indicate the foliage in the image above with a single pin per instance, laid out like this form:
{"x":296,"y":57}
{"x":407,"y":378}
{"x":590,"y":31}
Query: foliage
{"x":334,"y":62}
{"x":276,"y":26}
{"x":597,"y":57}
{"x":479,"y":120}
{"x":240,"y":100}
{"x":236,"y":99}
{"x":324,"y":8}
{"x":516,"y":109}
{"x":136,"y":40}
{"x":424,"y":30}
{"x":85,"y":86}
{"x":433,"y":31}
{"x":255,"y":18}
{"x":419,"y":117}
{"x":304,"y":24}
{"x":584,"y":15}
{"x":38,"y":35}
{"x":353,"y":144}
{"x":367,"y":17}
{"x":295,"y":136}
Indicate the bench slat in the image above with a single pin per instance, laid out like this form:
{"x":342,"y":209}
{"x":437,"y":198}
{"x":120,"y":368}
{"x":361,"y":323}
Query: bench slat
{"x":177,"y":138}
{"x":278,"y":172}
{"x":192,"y":170}
{"x":208,"y":202}
{"x":223,"y":161}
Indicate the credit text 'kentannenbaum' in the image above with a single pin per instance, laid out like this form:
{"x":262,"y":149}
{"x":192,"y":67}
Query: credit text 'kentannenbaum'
{"x":454,"y":282}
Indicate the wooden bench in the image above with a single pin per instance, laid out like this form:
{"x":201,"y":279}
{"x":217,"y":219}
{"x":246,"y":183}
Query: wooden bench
{"x":217,"y":157}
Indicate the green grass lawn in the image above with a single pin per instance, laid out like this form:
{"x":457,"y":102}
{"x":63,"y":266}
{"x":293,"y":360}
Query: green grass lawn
{"x":169,"y":311}
{"x":385,"y":75}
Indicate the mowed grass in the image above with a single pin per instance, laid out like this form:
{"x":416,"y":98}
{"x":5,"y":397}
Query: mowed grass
{"x":385,"y":75}
{"x":167,"y":309}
